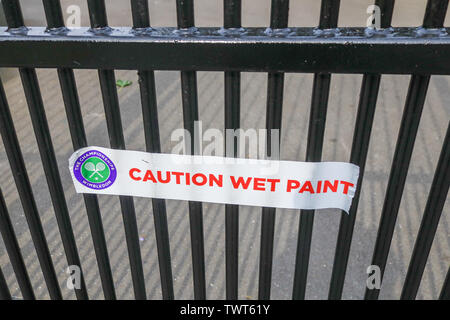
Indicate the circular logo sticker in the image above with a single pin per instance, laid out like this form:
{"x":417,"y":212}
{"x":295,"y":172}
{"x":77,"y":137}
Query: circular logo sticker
{"x":95,"y":170}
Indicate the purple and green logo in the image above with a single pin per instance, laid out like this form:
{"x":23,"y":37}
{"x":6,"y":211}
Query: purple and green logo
{"x":95,"y":170}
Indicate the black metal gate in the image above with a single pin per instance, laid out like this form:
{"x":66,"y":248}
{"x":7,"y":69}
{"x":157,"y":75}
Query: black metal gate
{"x":420,"y":52}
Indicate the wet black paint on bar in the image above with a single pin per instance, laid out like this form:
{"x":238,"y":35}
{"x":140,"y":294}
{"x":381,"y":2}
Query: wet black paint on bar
{"x":14,"y":252}
{"x":97,"y":13}
{"x":275,"y":86}
{"x":39,"y":121}
{"x":69,"y":91}
{"x":412,"y":112}
{"x":360,"y":146}
{"x":185,"y":20}
{"x":232,"y":19}
{"x":4,"y":290}
{"x":321,"y":88}
{"x":430,"y":220}
{"x":141,"y":19}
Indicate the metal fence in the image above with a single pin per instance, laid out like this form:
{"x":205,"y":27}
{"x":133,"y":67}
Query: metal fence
{"x":420,"y":52}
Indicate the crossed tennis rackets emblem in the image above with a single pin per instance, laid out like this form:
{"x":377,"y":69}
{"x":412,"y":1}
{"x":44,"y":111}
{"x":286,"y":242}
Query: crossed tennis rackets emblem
{"x":95,"y":168}
{"x":100,"y":166}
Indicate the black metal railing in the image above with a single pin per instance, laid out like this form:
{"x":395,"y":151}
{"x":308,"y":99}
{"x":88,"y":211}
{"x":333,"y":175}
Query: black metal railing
{"x":421,"y":52}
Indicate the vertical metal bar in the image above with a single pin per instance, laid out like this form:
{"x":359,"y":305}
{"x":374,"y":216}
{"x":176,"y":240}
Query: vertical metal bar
{"x":34,"y":100}
{"x":67,"y":82}
{"x":53,"y":178}
{"x":275,"y":85}
{"x":232,"y":13}
{"x":445,"y":291}
{"x":329,"y":14}
{"x":386,"y":10}
{"x":53,"y":14}
{"x":97,"y":14}
{"x":321,"y":87}
{"x":4,"y":290}
{"x":360,"y":146}
{"x":232,"y":19}
{"x":435,"y":13}
{"x":75,"y":120}
{"x":98,"y":19}
{"x":141,"y":19}
{"x":20,"y":175}
{"x":408,"y":130}
{"x":185,"y":13}
{"x":77,"y":132}
{"x":430,"y":221}
{"x":402,"y":156}
{"x":13,"y":14}
{"x":140,"y":13}
{"x":40,"y":125}
{"x":361,"y":138}
{"x":13,"y":249}
{"x":17,"y":164}
{"x":185,"y":19}
{"x":41,"y":131}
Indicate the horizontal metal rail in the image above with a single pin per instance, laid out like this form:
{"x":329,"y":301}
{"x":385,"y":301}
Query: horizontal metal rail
{"x":346,"y":50}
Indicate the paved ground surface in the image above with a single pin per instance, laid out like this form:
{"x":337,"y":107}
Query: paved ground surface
{"x":341,"y":116}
